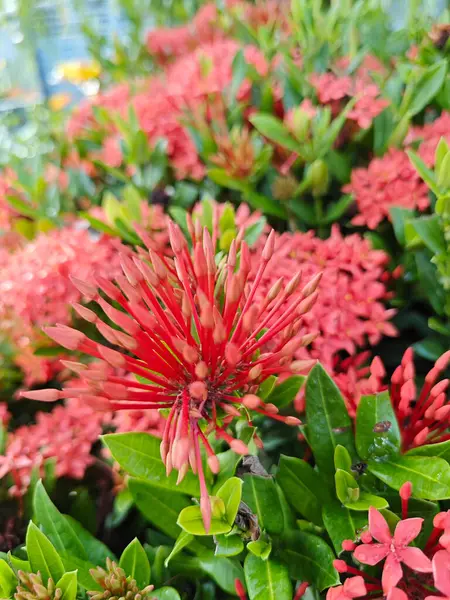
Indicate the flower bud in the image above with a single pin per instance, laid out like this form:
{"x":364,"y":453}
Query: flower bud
{"x":319,"y":177}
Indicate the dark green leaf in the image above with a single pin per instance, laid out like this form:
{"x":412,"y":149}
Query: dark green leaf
{"x":430,"y":476}
{"x":261,"y":495}
{"x":303,"y":487}
{"x":224,"y":571}
{"x":135,"y":563}
{"x":441,"y":450}
{"x":42,"y":555}
{"x":85,"y":579}
{"x":254,"y":232}
{"x":96,"y":551}
{"x":228,"y":545}
{"x":341,"y":523}
{"x":55,"y":525}
{"x":267,"y":579}
{"x":427,"y":87}
{"x":337,"y":209}
{"x":430,"y":231}
{"x":309,"y":558}
{"x":374,"y":409}
{"x":160,"y":506}
{"x":284,"y":393}
{"x":138,"y":453}
{"x":399,"y":216}
{"x":328,"y":421}
{"x":165,"y":593}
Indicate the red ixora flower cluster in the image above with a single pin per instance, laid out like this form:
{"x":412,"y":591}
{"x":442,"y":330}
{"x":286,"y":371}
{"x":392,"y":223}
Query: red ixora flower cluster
{"x":350,"y":307}
{"x":408,"y":571}
{"x":423,"y":415}
{"x":388,"y":181}
{"x":197,"y":333}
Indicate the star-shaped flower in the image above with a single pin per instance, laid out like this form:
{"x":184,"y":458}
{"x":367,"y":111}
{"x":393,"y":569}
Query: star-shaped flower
{"x":353,"y":587}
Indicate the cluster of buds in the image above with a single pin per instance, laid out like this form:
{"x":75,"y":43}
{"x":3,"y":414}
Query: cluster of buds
{"x":116,"y":585}
{"x":31,"y":587}
{"x":235,"y":153}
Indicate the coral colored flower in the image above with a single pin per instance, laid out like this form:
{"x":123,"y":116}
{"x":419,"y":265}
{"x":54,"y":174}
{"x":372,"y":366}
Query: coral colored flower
{"x":192,"y":330}
{"x":353,"y":587}
{"x":429,"y":136}
{"x":394,"y":548}
{"x":388,"y":181}
{"x":441,"y":574}
{"x":350,"y":308}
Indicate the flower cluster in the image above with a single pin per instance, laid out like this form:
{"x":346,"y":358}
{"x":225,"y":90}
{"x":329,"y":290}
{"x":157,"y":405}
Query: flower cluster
{"x":350,"y":307}
{"x":429,"y":135}
{"x":200,"y":339}
{"x":32,"y":587}
{"x":388,"y":181}
{"x":115,"y":584}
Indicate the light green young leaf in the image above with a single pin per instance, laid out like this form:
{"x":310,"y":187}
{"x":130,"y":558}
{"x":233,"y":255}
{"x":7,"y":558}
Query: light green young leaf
{"x":68,"y":585}
{"x":230,"y":493}
{"x":42,"y":554}
{"x":135,"y":563}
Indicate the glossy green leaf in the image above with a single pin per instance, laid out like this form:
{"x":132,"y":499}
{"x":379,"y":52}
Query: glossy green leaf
{"x":135,"y":563}
{"x":440,"y":450}
{"x":426,"y":88}
{"x":260,"y":548}
{"x":224,"y":571}
{"x":426,"y":173}
{"x":261,"y":495}
{"x":165,"y":593}
{"x":54,"y":524}
{"x":430,"y":476}
{"x":183,"y":540}
{"x":229,"y":460}
{"x":191,"y":519}
{"x":228,"y":545}
{"x":139,"y":455}
{"x":342,"y":459}
{"x":82,"y":567}
{"x":267,"y":579}
{"x":347,"y":490}
{"x":160,"y":506}
{"x":42,"y":554}
{"x":96,"y":551}
{"x":341,"y":523}
{"x":303,"y":487}
{"x":8,"y":580}
{"x":365,"y":501}
{"x":274,"y":129}
{"x":68,"y":584}
{"x":18,"y":564}
{"x":328,"y":421}
{"x":284,"y":393}
{"x":309,"y":558}
{"x":429,"y":230}
{"x":230,"y":493}
{"x":374,"y":409}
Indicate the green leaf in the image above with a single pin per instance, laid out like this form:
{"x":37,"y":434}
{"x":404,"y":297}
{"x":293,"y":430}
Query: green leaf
{"x":18,"y":564}
{"x":96,"y":551}
{"x":342,"y":459}
{"x":373,"y":409}
{"x":183,"y":540}
{"x":328,"y":421}
{"x":221,"y":177}
{"x":267,"y":579}
{"x":273,"y":129}
{"x":430,"y":231}
{"x":266,"y":387}
{"x":230,"y":493}
{"x":309,"y":558}
{"x":254,"y":232}
{"x":399,"y":216}
{"x":260,"y":548}
{"x":165,"y":593}
{"x":8,"y":580}
{"x":261,"y":495}
{"x":135,"y":563}
{"x":365,"y":501}
{"x":265,"y":204}
{"x":22,"y":207}
{"x":341,"y":523}
{"x":284,"y":393}
{"x":303,"y":487}
{"x":228,"y":545}
{"x":99,"y":225}
{"x":139,"y":455}
{"x":160,"y":506}
{"x":347,"y":490}
{"x":224,"y":571}
{"x":441,"y":450}
{"x":42,"y":555}
{"x":55,"y":525}
{"x":430,"y":476}
{"x":426,"y":173}
{"x":337,"y":209}
{"x":68,"y":585}
{"x":191,"y":519}
{"x":85,"y":579}
{"x":427,"y":87}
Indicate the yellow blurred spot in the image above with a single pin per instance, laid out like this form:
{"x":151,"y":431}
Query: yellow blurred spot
{"x":78,"y":71}
{"x":59,"y":101}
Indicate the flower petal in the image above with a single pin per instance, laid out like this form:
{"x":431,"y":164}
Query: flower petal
{"x":336,"y":593}
{"x":378,"y":527}
{"x":397,"y":594}
{"x":407,"y":530}
{"x":415,"y":559}
{"x":441,"y":571}
{"x":371,"y":554}
{"x":392,"y":573}
{"x":354,"y":587}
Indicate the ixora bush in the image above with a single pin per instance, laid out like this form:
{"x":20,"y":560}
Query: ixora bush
{"x":225,"y":315}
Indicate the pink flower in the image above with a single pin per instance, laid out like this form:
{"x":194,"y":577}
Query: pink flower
{"x":354,"y":587}
{"x":191,"y":330}
{"x":430,"y":134}
{"x":388,"y":181}
{"x":441,"y":573}
{"x":395,"y":549}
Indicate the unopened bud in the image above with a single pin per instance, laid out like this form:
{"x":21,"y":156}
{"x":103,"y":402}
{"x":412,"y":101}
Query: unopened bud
{"x":319,"y":177}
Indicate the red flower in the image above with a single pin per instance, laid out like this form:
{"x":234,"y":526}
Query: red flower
{"x":197,"y":335}
{"x":354,"y":587}
{"x":395,"y":549}
{"x":441,"y":573}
